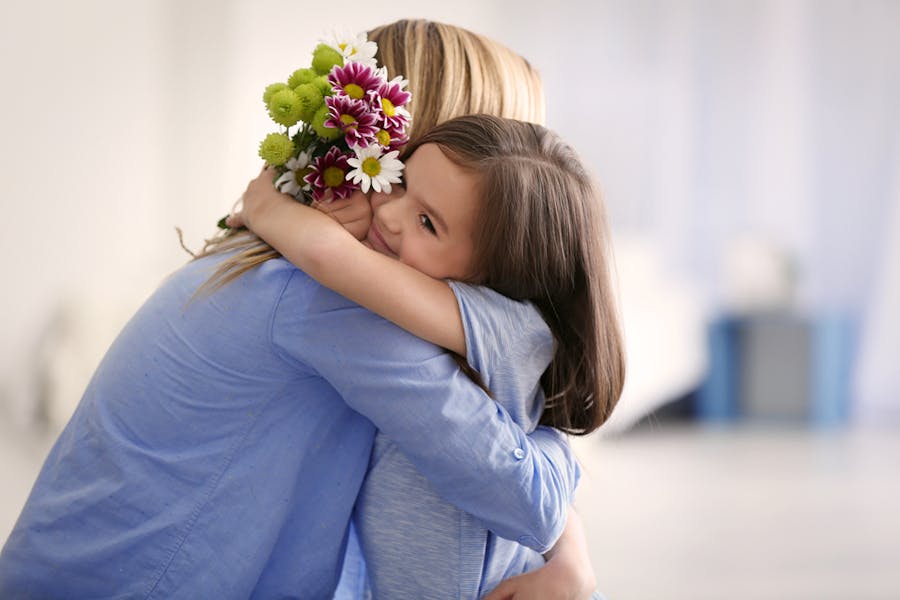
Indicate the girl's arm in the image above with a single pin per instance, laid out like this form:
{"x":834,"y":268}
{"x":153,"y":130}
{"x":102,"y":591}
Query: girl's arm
{"x":568,"y":573}
{"x":327,"y":252}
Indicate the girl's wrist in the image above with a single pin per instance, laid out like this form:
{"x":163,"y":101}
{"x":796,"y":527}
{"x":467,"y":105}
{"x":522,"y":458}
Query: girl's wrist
{"x":261,"y":208}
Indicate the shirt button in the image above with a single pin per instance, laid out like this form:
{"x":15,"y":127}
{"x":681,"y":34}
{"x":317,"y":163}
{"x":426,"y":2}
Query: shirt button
{"x":519,"y":453}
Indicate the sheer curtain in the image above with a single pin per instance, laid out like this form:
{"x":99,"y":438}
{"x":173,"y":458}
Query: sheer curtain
{"x":877,"y":382}
{"x":750,"y":148}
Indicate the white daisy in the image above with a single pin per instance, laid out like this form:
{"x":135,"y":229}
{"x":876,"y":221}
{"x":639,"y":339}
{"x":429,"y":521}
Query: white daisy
{"x":291,"y":181}
{"x":371,"y":168}
{"x":355,"y":48}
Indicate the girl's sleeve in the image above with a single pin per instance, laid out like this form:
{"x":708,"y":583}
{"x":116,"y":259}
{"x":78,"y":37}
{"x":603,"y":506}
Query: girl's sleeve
{"x":466,"y":444}
{"x":510,"y":345}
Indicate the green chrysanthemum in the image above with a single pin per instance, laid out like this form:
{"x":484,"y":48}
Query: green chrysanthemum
{"x":325,"y":57}
{"x":311,"y":99}
{"x":276,"y":149}
{"x":318,"y":124}
{"x":301,"y":76}
{"x":324,"y":85}
{"x":284,"y":107}
{"x":271,"y":89}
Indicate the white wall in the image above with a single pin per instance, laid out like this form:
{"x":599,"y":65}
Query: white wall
{"x":82,"y":155}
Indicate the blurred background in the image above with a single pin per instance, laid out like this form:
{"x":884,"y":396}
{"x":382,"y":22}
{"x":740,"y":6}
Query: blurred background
{"x":749,"y":152}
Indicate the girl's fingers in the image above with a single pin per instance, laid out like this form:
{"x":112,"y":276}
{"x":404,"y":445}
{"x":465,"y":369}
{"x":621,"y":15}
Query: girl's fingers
{"x":235,"y":221}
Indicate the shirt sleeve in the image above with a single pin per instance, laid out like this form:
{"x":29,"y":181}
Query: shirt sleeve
{"x":510,"y":345}
{"x":466,"y":444}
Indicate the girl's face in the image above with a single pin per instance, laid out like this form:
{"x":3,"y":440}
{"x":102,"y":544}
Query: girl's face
{"x":429,"y":224}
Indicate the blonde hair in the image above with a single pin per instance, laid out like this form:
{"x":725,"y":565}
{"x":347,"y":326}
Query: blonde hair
{"x":454,"y":72}
{"x":541,"y":235}
{"x":451,"y":72}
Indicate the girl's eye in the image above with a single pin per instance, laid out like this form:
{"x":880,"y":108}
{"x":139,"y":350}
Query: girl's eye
{"x":426,"y":223}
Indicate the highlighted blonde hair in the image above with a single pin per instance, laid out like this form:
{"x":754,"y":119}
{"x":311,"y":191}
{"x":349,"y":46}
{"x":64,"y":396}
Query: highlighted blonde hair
{"x":454,"y":72}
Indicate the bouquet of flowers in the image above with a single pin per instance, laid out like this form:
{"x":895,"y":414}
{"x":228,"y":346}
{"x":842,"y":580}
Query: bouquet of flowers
{"x":343,"y":122}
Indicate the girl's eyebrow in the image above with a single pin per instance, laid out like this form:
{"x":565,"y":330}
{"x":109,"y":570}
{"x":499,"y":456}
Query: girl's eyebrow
{"x":434,"y":214}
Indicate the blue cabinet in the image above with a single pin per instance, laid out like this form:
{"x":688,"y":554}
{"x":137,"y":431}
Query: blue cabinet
{"x":778,"y":367}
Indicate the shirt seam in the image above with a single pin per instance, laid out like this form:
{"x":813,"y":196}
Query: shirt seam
{"x":270,"y":332}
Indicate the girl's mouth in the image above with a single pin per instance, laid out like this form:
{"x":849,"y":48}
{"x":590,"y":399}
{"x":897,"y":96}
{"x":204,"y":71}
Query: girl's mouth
{"x":378,"y":242}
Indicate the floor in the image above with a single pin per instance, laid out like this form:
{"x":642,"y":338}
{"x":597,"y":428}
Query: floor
{"x":682,"y":511}
{"x":744,"y":512}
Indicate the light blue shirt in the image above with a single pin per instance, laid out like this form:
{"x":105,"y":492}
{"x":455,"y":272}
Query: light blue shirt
{"x":217,"y":451}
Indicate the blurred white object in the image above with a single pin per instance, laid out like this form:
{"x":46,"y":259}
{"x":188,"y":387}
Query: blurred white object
{"x":665,"y":332}
{"x":758,"y":276}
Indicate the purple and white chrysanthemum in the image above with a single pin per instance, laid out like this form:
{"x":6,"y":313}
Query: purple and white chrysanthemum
{"x":398,"y":80}
{"x":391,"y":138}
{"x":292,"y":180}
{"x":330,"y":172}
{"x":354,"y":118}
{"x":381,"y":73}
{"x":355,"y":80}
{"x":374,"y":169}
{"x":391,"y":97}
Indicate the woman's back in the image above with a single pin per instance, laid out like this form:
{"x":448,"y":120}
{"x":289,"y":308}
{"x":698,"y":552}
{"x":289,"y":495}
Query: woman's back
{"x":192,"y":423}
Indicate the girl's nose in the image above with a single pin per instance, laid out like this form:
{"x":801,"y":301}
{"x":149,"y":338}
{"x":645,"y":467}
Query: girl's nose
{"x":389,"y":212}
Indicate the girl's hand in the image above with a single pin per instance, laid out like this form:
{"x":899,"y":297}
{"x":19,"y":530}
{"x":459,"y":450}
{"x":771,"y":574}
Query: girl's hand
{"x":550,"y":582}
{"x":568,"y":574}
{"x":354,"y":213}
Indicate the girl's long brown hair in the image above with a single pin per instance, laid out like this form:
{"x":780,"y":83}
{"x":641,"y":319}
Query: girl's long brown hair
{"x":541,"y":236}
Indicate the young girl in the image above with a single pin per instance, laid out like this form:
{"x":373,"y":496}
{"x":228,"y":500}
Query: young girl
{"x":487,"y":201}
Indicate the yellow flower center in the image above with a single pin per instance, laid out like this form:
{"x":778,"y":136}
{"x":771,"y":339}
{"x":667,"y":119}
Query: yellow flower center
{"x":299,"y":174}
{"x":333,"y":176}
{"x":354,"y":91}
{"x":384,"y":138}
{"x":388,"y":107}
{"x":371,"y":166}
{"x":349,"y":121}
